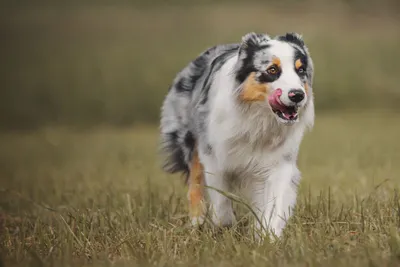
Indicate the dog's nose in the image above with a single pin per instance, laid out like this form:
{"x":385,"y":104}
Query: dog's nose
{"x":296,"y":95}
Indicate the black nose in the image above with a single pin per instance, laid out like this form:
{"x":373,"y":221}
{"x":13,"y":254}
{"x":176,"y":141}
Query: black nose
{"x":296,"y":95}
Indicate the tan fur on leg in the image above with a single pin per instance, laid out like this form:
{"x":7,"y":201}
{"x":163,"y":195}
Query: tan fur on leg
{"x":196,"y":190}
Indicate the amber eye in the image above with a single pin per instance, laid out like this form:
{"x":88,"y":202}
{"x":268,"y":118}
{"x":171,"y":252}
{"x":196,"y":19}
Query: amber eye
{"x":272,"y":70}
{"x":301,"y":70}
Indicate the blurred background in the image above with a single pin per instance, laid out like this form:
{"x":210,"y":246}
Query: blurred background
{"x":81,"y":86}
{"x":86,"y":63}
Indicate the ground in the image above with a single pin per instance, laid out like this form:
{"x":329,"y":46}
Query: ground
{"x":99,"y":198}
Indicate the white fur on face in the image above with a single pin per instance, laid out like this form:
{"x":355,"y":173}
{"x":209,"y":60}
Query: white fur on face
{"x":288,"y":79}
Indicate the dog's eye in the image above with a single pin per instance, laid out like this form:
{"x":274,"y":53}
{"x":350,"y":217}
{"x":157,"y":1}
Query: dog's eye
{"x":301,"y":70}
{"x":272,"y":70}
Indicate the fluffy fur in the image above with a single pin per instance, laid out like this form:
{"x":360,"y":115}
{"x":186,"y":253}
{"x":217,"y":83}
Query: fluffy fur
{"x":237,"y":113}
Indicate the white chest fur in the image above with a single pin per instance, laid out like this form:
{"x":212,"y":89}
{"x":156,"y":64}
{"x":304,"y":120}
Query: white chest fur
{"x":251,"y":145}
{"x":250,"y":140}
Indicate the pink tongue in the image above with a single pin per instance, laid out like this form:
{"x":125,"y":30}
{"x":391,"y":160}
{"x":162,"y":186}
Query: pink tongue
{"x":274,"y":99}
{"x":277,"y":104}
{"x":287,"y":116}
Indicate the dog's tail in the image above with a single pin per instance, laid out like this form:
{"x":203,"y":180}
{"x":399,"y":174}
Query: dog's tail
{"x":177,"y":139}
{"x":177,"y":153}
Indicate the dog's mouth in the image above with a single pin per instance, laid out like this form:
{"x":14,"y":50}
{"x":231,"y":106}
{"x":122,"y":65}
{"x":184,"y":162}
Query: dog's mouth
{"x":285,"y":113}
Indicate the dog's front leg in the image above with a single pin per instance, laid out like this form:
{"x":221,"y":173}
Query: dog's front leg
{"x":276,"y":200}
{"x":221,"y":210}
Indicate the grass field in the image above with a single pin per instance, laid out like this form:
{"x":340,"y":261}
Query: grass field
{"x":81,"y":89}
{"x":99,"y":198}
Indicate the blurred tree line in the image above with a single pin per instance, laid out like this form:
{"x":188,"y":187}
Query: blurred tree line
{"x":101,"y":62}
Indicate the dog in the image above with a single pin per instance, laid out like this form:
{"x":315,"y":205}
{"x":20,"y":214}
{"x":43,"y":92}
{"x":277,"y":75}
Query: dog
{"x":238,"y":113}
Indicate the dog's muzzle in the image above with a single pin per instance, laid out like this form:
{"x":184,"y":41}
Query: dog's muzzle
{"x":285,"y":112}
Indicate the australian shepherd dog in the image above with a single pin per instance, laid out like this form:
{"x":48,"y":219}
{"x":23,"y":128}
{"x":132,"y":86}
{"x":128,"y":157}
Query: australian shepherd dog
{"x":237,"y":113}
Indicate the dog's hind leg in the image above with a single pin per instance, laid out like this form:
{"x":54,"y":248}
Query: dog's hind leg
{"x":196,"y":190}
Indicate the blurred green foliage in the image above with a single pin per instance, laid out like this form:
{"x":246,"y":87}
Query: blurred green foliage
{"x":90,"y":64}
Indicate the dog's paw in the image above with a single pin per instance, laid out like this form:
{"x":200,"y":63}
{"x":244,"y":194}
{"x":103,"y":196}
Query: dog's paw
{"x":197,"y":221}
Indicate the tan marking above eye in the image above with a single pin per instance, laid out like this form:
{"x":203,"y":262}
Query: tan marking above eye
{"x":276,"y":61}
{"x":273,"y":68}
{"x":298,"y":64}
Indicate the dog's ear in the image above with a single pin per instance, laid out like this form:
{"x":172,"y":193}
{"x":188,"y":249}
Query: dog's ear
{"x":292,"y":37}
{"x":251,"y":41}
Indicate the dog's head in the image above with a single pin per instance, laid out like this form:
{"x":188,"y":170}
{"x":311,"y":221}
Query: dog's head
{"x":276,"y":71}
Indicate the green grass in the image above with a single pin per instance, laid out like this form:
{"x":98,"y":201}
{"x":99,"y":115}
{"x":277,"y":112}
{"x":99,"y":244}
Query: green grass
{"x":99,"y":198}
{"x":77,"y":191}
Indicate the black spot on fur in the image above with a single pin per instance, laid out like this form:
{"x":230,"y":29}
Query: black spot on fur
{"x":288,"y":157}
{"x":298,"y":54}
{"x":189,"y":140}
{"x":211,"y":49}
{"x":249,"y":46}
{"x":197,"y":68}
{"x":215,"y":66}
{"x":292,"y":38}
{"x":208,"y":150}
{"x":247,"y":63}
{"x":269,"y":78}
{"x":253,"y":40}
{"x":183,"y":85}
{"x":175,"y":159}
{"x":247,"y":67}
